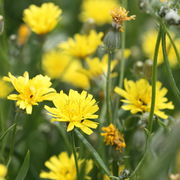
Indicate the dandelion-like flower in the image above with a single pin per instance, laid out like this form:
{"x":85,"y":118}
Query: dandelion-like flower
{"x":138,"y":97}
{"x":5,"y":88}
{"x":119,"y":15}
{"x":3,"y":172}
{"x":113,"y":137}
{"x":97,"y":67}
{"x":148,"y":47}
{"x":63,"y":167}
{"x":76,"y":109}
{"x":82,"y":45}
{"x":31,"y":91}
{"x":42,"y":19}
{"x":98,"y":10}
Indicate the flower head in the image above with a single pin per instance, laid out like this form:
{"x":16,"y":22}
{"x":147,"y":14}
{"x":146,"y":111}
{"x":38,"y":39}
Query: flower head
{"x":148,"y":47}
{"x":31,"y":91}
{"x":97,"y":67}
{"x":5,"y":88}
{"x":113,"y":137}
{"x":82,"y":45}
{"x":119,"y":15}
{"x":63,"y":167}
{"x":98,"y":10}
{"x":175,"y":177}
{"x":76,"y":109}
{"x":3,"y":172}
{"x":42,"y":19}
{"x":138,"y":99}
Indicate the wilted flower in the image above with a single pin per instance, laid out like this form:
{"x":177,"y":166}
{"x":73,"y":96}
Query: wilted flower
{"x":31,"y":91}
{"x":63,"y":167}
{"x":98,"y":10}
{"x":76,"y":109}
{"x":113,"y":137}
{"x":82,"y":45}
{"x":138,"y":97}
{"x":42,"y":19}
{"x":119,"y":15}
{"x":3,"y":172}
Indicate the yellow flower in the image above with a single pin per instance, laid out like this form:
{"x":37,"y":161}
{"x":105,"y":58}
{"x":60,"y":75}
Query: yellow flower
{"x":98,"y":10}
{"x":63,"y":167}
{"x":55,"y":63}
{"x":42,"y":19}
{"x":113,"y":137}
{"x":23,"y":34}
{"x":138,"y":97}
{"x":97,"y":67}
{"x":74,"y":76}
{"x":149,"y":41}
{"x":82,"y":45}
{"x":3,"y":172}
{"x":31,"y":91}
{"x":119,"y":15}
{"x":76,"y":109}
{"x":5,"y":88}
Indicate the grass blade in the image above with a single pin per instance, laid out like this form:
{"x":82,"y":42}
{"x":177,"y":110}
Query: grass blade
{"x":7,"y":131}
{"x":93,"y":152}
{"x":24,"y":168}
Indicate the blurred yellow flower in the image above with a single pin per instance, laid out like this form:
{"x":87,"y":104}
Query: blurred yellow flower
{"x":23,"y":34}
{"x":31,"y":91}
{"x":97,"y":67}
{"x":98,"y":10}
{"x":113,"y":137}
{"x":82,"y":45}
{"x":76,"y":109}
{"x":54,"y":63}
{"x":3,"y":172}
{"x":74,"y":76}
{"x":138,"y":97}
{"x":63,"y":167}
{"x":42,"y":19}
{"x":175,"y":177}
{"x":149,"y":41}
{"x":119,"y":15}
{"x":5,"y":88}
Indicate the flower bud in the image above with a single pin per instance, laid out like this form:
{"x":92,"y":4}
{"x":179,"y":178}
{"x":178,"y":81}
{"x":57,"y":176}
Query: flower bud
{"x":1,"y":24}
{"x":138,"y":68}
{"x":147,"y":69}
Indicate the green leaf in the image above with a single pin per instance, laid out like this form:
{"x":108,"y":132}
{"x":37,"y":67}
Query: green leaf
{"x":7,"y":131}
{"x":24,"y":168}
{"x":93,"y":152}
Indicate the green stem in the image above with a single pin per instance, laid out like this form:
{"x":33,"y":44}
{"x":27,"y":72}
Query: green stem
{"x":154,"y":78}
{"x":108,"y":88}
{"x":75,"y":155}
{"x":165,"y":55}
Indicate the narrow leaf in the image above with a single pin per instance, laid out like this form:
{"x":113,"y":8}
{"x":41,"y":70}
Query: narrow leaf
{"x":93,"y":152}
{"x":7,"y":131}
{"x":24,"y":168}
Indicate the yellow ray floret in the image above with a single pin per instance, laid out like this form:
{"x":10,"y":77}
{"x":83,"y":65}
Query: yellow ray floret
{"x":42,"y":19}
{"x":149,"y":41}
{"x":82,"y":45}
{"x":76,"y":108}
{"x":137,"y":97}
{"x":98,"y":10}
{"x":3,"y":172}
{"x":62,"y":167}
{"x":31,"y":91}
{"x":97,"y":67}
{"x":5,"y":88}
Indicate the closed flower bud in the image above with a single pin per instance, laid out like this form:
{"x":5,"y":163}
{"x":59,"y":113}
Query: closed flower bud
{"x":138,"y":68}
{"x":1,"y":24}
{"x":147,"y":69}
{"x":112,"y":39}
